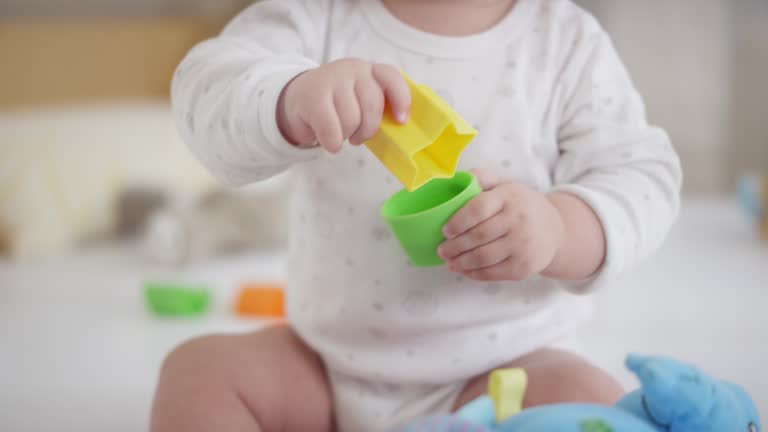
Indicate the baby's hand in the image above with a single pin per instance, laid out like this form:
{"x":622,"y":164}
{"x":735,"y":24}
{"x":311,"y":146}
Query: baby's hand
{"x":341,"y":100}
{"x":509,"y":232}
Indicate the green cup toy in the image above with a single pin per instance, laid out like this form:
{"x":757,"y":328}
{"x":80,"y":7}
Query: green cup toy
{"x":417,"y":218}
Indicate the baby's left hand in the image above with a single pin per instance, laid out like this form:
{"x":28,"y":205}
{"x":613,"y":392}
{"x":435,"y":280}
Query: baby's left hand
{"x":509,"y":232}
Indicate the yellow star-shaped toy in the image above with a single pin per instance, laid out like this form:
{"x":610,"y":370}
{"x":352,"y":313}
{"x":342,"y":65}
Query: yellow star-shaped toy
{"x":428,"y":146}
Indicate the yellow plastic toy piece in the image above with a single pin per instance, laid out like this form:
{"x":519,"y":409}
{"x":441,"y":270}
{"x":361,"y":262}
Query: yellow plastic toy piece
{"x":506,"y":387}
{"x":428,"y":146}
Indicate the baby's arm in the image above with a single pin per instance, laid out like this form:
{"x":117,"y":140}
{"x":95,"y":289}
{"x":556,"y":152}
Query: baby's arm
{"x":616,"y":194}
{"x":583,"y":243}
{"x":225,"y":92}
{"x":614,"y":168}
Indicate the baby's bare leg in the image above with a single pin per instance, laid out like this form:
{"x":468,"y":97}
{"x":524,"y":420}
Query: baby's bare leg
{"x":261,"y":382}
{"x":555,"y":376}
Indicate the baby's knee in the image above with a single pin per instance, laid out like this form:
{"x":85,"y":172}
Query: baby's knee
{"x":198,"y":358}
{"x":597,"y":386}
{"x":582,"y":383}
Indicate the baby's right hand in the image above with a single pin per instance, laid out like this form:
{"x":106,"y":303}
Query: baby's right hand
{"x":341,"y":100}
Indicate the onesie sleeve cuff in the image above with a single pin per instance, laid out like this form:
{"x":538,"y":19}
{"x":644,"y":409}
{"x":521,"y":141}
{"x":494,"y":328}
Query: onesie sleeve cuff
{"x":280,"y":148}
{"x":608,"y":212}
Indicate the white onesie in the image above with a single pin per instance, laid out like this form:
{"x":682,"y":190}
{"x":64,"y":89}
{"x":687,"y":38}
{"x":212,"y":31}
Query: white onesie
{"x":555,"y":109}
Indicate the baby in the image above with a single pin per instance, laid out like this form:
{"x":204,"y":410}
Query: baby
{"x":577,"y":188}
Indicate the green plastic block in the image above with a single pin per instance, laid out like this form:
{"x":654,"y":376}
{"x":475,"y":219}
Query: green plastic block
{"x":595,"y":426}
{"x":177,"y":300}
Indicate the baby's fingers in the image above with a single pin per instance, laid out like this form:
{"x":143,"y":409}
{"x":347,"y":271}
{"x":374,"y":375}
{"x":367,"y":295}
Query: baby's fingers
{"x":498,"y":272}
{"x":482,"y":234}
{"x":347,"y":109}
{"x":513,"y":268}
{"x":396,"y":89}
{"x":480,"y":258}
{"x":371,"y":102}
{"x":481,"y":208}
{"x":324,"y":121}
{"x":486,"y":179}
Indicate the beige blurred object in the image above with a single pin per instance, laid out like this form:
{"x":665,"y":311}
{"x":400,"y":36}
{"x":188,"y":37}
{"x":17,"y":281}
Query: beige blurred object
{"x":75,"y":60}
{"x":701,"y":66}
{"x":83,"y":115}
{"x":61,"y":170}
{"x":749,"y":142}
{"x":678,"y":53}
{"x":197,"y":8}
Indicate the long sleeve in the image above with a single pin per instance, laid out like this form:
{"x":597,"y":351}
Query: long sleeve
{"x":611,"y":158}
{"x":225,"y":92}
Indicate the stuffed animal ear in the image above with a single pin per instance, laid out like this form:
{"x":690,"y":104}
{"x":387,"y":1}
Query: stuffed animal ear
{"x":675,"y":394}
{"x":681,"y":398}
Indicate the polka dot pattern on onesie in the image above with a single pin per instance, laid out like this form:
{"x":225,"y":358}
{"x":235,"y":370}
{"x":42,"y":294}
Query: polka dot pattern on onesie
{"x":421,"y":303}
{"x":381,"y":234}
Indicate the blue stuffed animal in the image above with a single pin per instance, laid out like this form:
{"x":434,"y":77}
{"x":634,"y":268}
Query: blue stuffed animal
{"x":673,"y":397}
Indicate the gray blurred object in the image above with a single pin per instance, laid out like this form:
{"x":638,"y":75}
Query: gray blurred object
{"x":220,"y":222}
{"x":135,"y":205}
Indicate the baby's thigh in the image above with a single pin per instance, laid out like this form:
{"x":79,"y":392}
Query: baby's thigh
{"x":555,"y":376}
{"x":270,"y":377}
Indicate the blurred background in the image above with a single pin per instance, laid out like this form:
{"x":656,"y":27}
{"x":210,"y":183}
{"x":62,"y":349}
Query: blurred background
{"x":98,"y":197}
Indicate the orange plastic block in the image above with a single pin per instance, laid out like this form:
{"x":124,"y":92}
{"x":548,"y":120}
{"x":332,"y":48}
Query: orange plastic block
{"x":262,"y":300}
{"x":764,"y":227}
